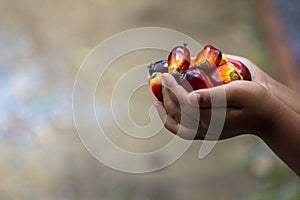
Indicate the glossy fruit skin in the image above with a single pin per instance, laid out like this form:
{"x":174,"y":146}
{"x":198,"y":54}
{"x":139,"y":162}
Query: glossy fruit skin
{"x":179,"y":60}
{"x":207,"y":70}
{"x":156,"y":85}
{"x":195,"y":79}
{"x":159,"y":66}
{"x":225,"y":73}
{"x":241,"y":68}
{"x":208,"y":58}
{"x":223,"y":60}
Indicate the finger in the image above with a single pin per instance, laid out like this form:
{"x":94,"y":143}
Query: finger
{"x":168,"y":121}
{"x":207,"y":98}
{"x":179,"y":92}
{"x":172,"y":108}
{"x":179,"y":116}
{"x":180,"y":98}
{"x":177,"y":111}
{"x":175,"y":127}
{"x":188,"y":134}
{"x":230,"y":95}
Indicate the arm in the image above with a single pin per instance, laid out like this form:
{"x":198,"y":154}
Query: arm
{"x":284,"y":137}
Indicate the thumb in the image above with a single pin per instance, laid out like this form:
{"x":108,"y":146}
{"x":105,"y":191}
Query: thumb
{"x":220,"y":96}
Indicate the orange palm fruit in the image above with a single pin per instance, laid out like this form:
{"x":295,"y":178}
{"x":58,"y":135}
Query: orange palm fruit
{"x":156,"y":85}
{"x":208,"y":58}
{"x":225,"y":73}
{"x":179,"y":60}
{"x":241,"y":68}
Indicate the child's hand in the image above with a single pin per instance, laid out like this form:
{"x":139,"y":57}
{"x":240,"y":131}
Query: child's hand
{"x":250,"y":109}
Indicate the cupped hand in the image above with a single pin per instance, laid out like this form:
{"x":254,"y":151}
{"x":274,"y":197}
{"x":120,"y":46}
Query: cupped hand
{"x":245,"y":107}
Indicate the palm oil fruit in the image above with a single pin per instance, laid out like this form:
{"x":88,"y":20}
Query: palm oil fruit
{"x":179,"y":60}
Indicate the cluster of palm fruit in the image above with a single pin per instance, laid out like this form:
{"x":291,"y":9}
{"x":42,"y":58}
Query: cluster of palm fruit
{"x":207,"y":70}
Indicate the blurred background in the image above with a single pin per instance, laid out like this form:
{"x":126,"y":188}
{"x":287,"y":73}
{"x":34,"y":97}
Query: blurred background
{"x":43,"y":43}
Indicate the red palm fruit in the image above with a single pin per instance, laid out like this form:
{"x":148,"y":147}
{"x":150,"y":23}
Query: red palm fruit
{"x":156,"y":85}
{"x":195,"y":79}
{"x":223,"y":60}
{"x":159,"y":66}
{"x":225,"y":73}
{"x":241,"y":68}
{"x":179,"y":60}
{"x":208,"y":58}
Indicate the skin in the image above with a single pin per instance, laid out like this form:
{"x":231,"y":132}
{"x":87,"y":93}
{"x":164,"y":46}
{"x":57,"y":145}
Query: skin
{"x":262,"y":107}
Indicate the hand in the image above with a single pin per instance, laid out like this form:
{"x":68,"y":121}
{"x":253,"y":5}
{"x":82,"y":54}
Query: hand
{"x":248,"y":106}
{"x":250,"y":109}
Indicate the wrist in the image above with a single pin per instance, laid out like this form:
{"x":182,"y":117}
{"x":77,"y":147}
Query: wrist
{"x":270,"y":116}
{"x":283,"y":137}
{"x":283,"y":93}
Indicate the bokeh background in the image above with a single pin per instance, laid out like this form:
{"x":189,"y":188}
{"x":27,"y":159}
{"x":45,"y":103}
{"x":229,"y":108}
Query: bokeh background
{"x":42,"y":44}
